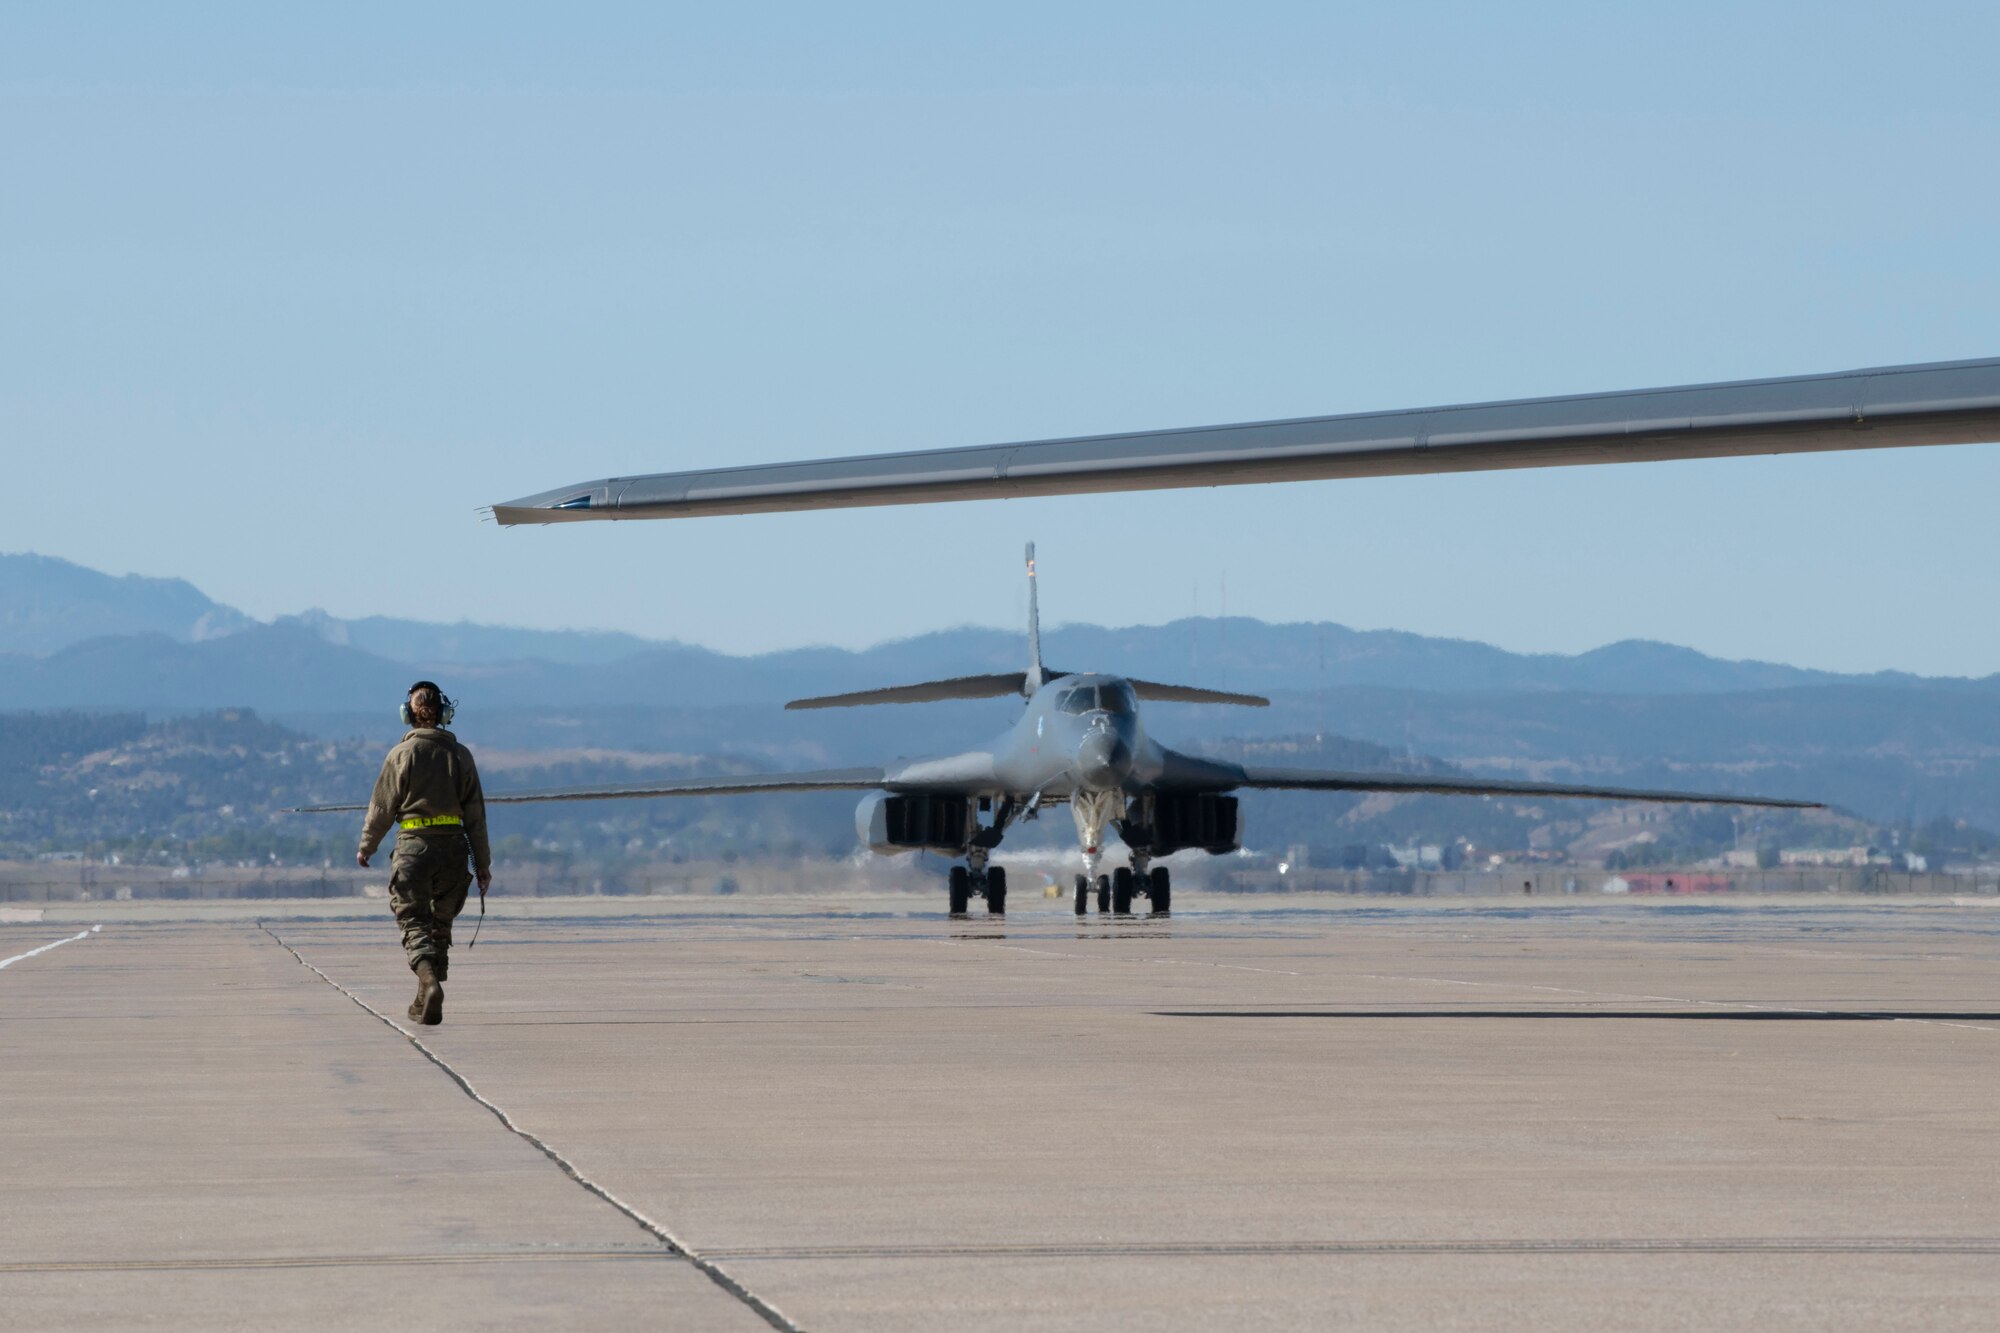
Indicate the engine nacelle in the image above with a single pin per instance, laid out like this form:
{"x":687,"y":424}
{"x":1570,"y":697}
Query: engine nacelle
{"x":889,"y":823}
{"x":1205,"y":821}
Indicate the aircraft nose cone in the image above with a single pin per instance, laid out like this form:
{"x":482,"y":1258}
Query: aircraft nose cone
{"x":1102,"y":760}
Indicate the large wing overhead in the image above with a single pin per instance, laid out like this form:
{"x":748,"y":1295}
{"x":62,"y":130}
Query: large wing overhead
{"x":744,"y":784}
{"x":1303,"y":779}
{"x":1954,"y":402}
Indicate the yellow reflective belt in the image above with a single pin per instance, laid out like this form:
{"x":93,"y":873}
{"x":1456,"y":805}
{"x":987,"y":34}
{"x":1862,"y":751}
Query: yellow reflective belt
{"x":432,"y":821}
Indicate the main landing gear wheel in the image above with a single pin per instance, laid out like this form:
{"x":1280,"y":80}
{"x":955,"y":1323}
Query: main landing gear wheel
{"x":959,"y":882}
{"x":1082,"y":894}
{"x":996,"y":891}
{"x":1160,"y":890}
{"x":1104,"y":893}
{"x":1121,"y":891}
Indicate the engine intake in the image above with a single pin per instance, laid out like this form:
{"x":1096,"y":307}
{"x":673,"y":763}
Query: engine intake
{"x":1206,"y":821}
{"x":889,"y":823}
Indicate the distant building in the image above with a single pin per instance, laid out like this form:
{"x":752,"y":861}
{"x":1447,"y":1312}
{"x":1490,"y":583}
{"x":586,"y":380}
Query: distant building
{"x":1427,"y":857}
{"x":1823,"y":856}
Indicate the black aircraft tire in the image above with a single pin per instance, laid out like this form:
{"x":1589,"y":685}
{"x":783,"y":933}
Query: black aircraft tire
{"x":996,"y":891}
{"x":1161,"y":890}
{"x":1104,"y":893}
{"x":1121,"y":891}
{"x":1082,"y":894}
{"x":959,"y":882}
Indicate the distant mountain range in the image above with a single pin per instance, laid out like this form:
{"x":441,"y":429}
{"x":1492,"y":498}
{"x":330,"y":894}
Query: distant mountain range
{"x":47,"y":605}
{"x":1891,"y":746}
{"x":55,"y":619}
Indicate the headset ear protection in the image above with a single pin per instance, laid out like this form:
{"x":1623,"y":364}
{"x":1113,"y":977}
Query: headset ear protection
{"x":446,"y":708}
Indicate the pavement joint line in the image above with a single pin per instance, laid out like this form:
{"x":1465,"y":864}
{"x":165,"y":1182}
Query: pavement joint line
{"x":1281,"y":1249}
{"x":762,"y":1308}
{"x":80,"y":935}
{"x":336,"y":1261}
{"x":1663,"y":999}
{"x":1454,"y":981}
{"x":1357,"y":1012}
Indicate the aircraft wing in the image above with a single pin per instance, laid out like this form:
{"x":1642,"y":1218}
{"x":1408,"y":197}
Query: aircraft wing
{"x":930,"y":691}
{"x":744,"y":784}
{"x":1304,"y":779}
{"x":1193,"y":694}
{"x":1954,"y":402}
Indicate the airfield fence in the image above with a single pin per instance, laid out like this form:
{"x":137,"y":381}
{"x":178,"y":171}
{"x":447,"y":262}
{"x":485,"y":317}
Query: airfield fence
{"x":72,"y":881}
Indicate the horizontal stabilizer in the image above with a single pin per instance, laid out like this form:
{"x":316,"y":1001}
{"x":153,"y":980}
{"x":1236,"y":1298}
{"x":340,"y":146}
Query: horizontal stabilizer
{"x":929,"y":692}
{"x":1152,"y":690}
{"x":1302,"y":779}
{"x":738,"y":784}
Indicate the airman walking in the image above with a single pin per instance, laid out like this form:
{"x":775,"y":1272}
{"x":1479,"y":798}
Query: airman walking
{"x":429,"y":792}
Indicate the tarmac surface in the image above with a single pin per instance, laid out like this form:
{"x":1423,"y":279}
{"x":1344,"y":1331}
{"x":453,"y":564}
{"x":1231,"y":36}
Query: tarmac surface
{"x":858,"y":1115}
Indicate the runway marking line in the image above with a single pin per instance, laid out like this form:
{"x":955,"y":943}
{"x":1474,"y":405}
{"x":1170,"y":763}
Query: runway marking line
{"x":764,"y":1309}
{"x":21,"y":957}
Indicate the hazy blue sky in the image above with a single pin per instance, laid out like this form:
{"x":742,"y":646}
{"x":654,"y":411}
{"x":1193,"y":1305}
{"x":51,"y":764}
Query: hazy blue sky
{"x":287,"y":292}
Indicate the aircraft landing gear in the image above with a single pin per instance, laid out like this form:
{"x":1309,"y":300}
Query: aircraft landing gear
{"x":1151,"y":881}
{"x":989,"y":882}
{"x":1121,"y":887}
{"x":1092,"y":811}
{"x":1121,"y":891}
{"x":1116,"y":891}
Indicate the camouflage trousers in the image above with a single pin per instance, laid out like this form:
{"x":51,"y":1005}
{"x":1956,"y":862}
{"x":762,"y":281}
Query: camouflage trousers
{"x":428,"y":878}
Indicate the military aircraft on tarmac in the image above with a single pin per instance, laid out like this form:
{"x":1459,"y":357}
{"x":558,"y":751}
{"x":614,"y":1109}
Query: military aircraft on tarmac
{"x":1079,"y":742}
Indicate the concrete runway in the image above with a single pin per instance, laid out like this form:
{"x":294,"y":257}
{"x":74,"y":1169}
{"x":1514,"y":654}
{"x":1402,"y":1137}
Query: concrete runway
{"x":852,"y":1116}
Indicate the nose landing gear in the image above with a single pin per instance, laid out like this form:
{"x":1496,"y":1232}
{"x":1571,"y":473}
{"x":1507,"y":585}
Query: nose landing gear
{"x":1115,"y":892}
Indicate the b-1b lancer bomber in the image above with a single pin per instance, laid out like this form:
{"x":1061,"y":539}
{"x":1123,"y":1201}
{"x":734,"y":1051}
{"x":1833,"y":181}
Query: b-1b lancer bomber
{"x":1079,"y":742}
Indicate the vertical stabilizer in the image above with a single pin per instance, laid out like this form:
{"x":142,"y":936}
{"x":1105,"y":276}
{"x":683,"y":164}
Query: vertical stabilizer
{"x":1035,"y":673}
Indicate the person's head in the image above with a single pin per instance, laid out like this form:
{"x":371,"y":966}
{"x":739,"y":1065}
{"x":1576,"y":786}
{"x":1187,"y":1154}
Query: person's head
{"x":427,"y":706}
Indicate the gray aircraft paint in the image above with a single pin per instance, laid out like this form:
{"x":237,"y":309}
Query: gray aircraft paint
{"x":1940,"y":403}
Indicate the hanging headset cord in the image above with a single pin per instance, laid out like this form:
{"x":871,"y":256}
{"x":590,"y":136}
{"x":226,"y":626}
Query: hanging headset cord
{"x":481,"y":922}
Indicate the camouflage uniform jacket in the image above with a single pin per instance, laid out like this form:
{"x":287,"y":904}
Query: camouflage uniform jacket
{"x":429,"y":775}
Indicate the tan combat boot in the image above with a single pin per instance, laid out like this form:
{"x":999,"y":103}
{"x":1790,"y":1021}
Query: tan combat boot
{"x":428,"y":1007}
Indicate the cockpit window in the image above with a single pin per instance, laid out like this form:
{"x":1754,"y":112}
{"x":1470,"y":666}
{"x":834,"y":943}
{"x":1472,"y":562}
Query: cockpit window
{"x":1095,"y":698}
